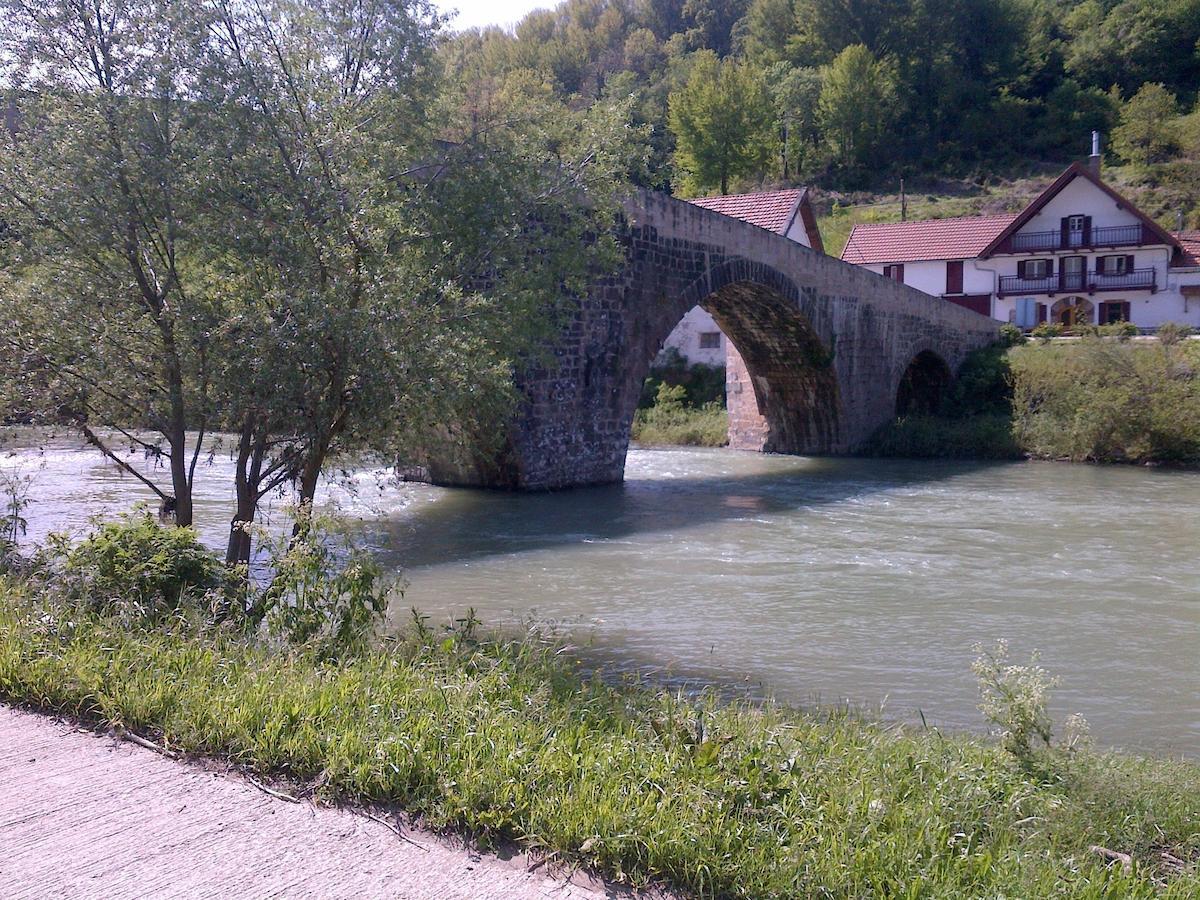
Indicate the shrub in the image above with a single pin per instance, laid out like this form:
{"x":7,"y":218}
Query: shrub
{"x":1011,"y":335}
{"x":1120,"y":330}
{"x":1171,"y":333}
{"x":136,"y":563}
{"x":702,"y":383}
{"x":983,"y":386}
{"x":936,"y":437}
{"x":1046,"y":330}
{"x":14,"y":489}
{"x":670,"y":421}
{"x":1105,"y":401}
{"x":326,"y":591}
{"x":1014,"y":698}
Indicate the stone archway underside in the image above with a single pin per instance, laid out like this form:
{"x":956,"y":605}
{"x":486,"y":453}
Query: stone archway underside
{"x":821,"y":347}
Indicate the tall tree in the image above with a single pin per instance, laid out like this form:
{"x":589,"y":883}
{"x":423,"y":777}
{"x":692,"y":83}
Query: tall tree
{"x":722,"y":120}
{"x":856,"y":107}
{"x":1148,"y":132}
{"x":102,"y":185}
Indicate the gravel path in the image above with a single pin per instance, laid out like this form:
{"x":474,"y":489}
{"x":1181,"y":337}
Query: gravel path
{"x":82,"y":815}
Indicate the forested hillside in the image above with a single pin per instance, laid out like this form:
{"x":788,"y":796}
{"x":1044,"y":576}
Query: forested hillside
{"x":853,"y":94}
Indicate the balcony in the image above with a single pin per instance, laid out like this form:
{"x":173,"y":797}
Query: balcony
{"x":1079,"y":282}
{"x":1105,"y":236}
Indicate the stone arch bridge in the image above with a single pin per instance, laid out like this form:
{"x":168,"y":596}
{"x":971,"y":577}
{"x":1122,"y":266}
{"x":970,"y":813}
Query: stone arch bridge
{"x":822,"y":353}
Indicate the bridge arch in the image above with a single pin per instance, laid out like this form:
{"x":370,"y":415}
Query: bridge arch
{"x":818,"y":348}
{"x":781,"y":369}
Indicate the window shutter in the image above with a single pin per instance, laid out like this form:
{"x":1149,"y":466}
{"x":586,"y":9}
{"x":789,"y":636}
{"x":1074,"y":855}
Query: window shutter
{"x":1125,"y":317}
{"x":1041,"y":313}
{"x":1087,"y":230}
{"x":1103,"y":313}
{"x":1022,"y":268}
{"x":900,"y":272}
{"x":1101,"y":265}
{"x":1066,"y":229}
{"x":1129,"y":262}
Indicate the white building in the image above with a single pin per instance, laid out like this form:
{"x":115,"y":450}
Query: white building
{"x":789,"y":213}
{"x":1080,"y":252}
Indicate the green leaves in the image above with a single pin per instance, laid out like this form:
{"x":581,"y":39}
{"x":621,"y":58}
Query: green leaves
{"x":723,"y":124}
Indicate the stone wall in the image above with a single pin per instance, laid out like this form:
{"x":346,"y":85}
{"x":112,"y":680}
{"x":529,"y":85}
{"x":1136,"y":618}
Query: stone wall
{"x":818,"y":347}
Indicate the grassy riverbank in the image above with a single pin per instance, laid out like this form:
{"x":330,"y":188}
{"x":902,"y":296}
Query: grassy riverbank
{"x":1097,"y":399}
{"x":503,"y":739}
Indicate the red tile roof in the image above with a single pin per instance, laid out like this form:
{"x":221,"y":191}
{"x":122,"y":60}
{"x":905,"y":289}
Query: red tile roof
{"x":1190,"y":241}
{"x":897,"y":242}
{"x":772,"y":210}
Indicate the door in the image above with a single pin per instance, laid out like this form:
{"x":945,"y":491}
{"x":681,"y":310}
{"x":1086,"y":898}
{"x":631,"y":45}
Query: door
{"x":1073,"y":270}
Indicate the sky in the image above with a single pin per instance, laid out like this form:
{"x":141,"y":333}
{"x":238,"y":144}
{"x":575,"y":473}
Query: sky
{"x":472,"y":13}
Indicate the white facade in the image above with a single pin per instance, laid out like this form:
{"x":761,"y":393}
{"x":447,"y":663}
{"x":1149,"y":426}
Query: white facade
{"x":697,"y":339}
{"x":1079,"y":253}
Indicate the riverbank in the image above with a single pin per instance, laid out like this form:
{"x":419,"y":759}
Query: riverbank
{"x":503,"y":740}
{"x":1090,"y":399}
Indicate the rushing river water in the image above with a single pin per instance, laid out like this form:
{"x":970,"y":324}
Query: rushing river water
{"x":830,"y":580}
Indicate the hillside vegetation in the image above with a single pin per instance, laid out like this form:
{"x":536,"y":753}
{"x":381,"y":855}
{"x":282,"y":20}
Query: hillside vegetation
{"x":852,"y":96}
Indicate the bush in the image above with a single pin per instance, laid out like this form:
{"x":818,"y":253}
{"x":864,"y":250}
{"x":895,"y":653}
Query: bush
{"x":326,"y":596}
{"x":136,"y":563}
{"x":936,"y":437}
{"x":1104,"y":401}
{"x":1046,"y":330}
{"x":1171,"y":333}
{"x":1120,"y":330}
{"x":702,"y":384}
{"x":1011,"y":335}
{"x":670,"y":421}
{"x":1014,"y":698}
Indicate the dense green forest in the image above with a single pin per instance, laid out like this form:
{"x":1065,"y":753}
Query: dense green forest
{"x":852,"y":94}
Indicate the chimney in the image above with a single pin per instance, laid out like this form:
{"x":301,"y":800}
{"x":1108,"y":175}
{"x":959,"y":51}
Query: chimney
{"x":1095,"y":158}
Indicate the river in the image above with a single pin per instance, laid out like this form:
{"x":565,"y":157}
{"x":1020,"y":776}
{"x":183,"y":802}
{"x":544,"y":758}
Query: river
{"x":831,"y":581}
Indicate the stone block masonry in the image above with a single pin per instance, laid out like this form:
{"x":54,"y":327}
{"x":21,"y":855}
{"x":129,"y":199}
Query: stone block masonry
{"x":818,"y":348}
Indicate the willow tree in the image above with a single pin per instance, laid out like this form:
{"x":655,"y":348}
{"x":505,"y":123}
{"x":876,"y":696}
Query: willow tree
{"x":104,"y":312}
{"x":390,"y":280}
{"x":274,"y":218}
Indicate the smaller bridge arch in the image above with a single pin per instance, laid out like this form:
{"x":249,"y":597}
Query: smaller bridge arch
{"x":923,"y":384}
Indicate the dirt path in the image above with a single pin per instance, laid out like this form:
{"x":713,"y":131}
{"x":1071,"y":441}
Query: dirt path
{"x":83,"y":815}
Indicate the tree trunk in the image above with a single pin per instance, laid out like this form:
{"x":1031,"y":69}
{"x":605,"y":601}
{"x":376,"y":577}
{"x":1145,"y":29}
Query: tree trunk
{"x":247,"y":476}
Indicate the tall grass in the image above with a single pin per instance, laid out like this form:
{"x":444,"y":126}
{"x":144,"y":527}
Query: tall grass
{"x":502,"y":738}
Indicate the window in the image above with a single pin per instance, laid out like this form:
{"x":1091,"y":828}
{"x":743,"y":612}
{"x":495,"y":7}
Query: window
{"x":1114,"y":311}
{"x":895,"y":272}
{"x":954,"y":276}
{"x":710,"y":340}
{"x":1114,"y":265}
{"x":1035,"y":268}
